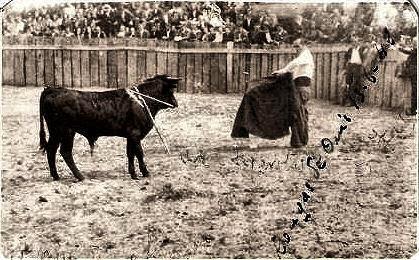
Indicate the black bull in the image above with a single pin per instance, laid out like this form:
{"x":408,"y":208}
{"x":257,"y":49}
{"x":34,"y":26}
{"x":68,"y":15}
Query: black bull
{"x":95,"y":114}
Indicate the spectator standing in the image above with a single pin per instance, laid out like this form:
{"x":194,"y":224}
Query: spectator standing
{"x":88,"y":32}
{"x":142,"y":33}
{"x":257,"y":36}
{"x":228,"y":35}
{"x":412,"y":73}
{"x":79,"y":33}
{"x":132,"y":33}
{"x":249,"y":23}
{"x":218,"y":35}
{"x":354,"y":70}
{"x":278,"y":34}
{"x":98,"y":33}
{"x":121,"y":33}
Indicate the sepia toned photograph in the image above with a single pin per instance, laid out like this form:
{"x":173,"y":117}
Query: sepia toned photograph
{"x":190,"y":129}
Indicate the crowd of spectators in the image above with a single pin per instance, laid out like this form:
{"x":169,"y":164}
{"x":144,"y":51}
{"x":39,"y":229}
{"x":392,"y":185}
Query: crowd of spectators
{"x":186,"y":21}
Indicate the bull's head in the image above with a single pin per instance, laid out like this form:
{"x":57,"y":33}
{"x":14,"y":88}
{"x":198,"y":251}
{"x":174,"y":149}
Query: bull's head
{"x":160,"y":87}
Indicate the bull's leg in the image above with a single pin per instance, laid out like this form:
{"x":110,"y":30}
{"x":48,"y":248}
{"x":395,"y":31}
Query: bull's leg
{"x":140,"y":157}
{"x":130,"y":154}
{"x":66,"y":151}
{"x":52,"y":147}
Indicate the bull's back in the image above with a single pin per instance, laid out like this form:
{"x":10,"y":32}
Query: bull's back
{"x":89,"y":113}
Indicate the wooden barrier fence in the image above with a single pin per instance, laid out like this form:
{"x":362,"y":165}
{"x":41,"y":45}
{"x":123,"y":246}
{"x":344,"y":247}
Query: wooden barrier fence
{"x":204,"y":67}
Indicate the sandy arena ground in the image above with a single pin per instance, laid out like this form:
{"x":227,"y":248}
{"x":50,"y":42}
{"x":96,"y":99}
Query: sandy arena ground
{"x":217,"y":208}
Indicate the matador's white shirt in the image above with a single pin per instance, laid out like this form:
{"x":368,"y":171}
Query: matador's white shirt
{"x":302,"y":66}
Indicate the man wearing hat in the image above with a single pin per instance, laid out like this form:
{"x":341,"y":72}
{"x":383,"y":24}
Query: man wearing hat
{"x":302,"y":69}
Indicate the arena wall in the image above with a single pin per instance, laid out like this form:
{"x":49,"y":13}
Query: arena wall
{"x":204,"y":67}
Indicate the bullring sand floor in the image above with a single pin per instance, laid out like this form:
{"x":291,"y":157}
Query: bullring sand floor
{"x":220,"y":209}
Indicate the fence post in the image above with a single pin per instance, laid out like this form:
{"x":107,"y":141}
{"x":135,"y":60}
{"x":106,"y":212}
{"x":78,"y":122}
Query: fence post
{"x":230,"y":46}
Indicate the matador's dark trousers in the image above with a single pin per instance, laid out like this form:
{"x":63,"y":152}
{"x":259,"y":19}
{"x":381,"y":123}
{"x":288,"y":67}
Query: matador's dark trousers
{"x":299,"y":124}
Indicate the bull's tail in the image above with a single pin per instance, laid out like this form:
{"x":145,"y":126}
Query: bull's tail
{"x":42,"y":136}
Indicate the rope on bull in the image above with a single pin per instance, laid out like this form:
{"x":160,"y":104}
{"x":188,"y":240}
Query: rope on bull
{"x":137,"y":99}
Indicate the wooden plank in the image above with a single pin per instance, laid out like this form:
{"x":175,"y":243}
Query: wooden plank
{"x":326,"y":76}
{"x":198,"y":73}
{"x":282,"y":60}
{"x":172,"y":60}
{"x":215,"y":71}
{"x":85,"y":69}
{"x":94,"y":69}
{"x":264,"y":67}
{"x":30,"y":67}
{"x":182,"y":72}
{"x":39,"y":68}
{"x":397,"y":91}
{"x":243,"y":73}
{"x":236,"y":73}
{"x":190,"y":79}
{"x":7,"y":68}
{"x":241,"y":82}
{"x":319,"y":75}
{"x":253,"y":67}
{"x":122,"y":68}
{"x":222,"y":77}
{"x":229,"y":73}
{"x":103,"y":69}
{"x":131,"y":67}
{"x":151,"y":68}
{"x":270,"y":64}
{"x":19,"y":68}
{"x":132,"y":60}
{"x":161,"y":62}
{"x":112,"y":73}
{"x":206,"y":73}
{"x":141,"y":65}
{"x":397,"y":94}
{"x":76,"y":68}
{"x":49,"y":67}
{"x":275,"y":60}
{"x":334,"y":77}
{"x":67,"y":69}
{"x":341,"y":89}
{"x":247,"y":63}
{"x":389,"y":78}
{"x":58,"y":68}
{"x":407,"y":90}
{"x":313,"y":88}
{"x":377,"y":94}
{"x":258,"y":65}
{"x":390,"y":86}
{"x":379,"y":98}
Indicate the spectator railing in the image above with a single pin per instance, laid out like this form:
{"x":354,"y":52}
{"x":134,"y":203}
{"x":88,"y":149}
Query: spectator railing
{"x":204,"y":67}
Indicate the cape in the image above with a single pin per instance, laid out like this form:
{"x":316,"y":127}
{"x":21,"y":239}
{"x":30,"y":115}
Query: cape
{"x":267,"y":108}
